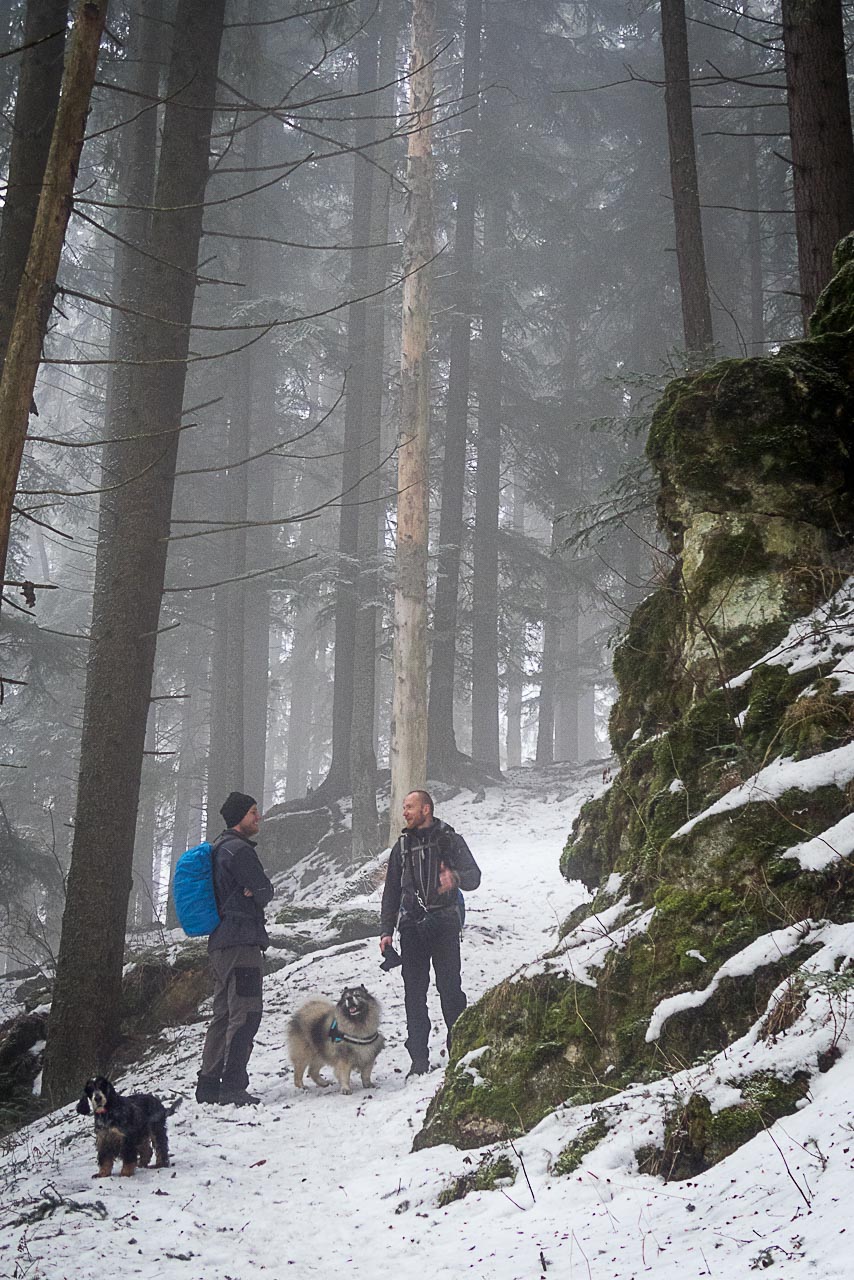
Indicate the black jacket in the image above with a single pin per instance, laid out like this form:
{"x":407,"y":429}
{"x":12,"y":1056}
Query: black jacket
{"x":413,"y":874}
{"x":236,"y":866}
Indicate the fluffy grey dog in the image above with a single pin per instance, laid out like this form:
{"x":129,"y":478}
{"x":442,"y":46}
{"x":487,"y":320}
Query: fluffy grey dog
{"x":344,"y":1035}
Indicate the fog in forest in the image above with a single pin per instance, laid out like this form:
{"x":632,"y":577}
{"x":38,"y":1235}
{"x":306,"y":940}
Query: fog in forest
{"x":203,"y":566}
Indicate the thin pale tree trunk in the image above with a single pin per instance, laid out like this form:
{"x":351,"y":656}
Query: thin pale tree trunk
{"x":409,"y":703}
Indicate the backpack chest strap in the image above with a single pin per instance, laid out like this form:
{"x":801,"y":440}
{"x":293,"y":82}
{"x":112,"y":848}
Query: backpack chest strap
{"x":337,"y":1035}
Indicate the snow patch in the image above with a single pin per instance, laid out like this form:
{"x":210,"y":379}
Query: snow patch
{"x":832,"y":768}
{"x":762,"y":951}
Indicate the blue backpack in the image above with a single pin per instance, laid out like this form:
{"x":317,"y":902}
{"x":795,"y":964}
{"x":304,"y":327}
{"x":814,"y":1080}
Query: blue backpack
{"x":193,"y":891}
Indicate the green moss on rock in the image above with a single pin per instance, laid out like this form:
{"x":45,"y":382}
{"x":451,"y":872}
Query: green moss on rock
{"x":352,"y":925}
{"x":575,"y":1151}
{"x":647,"y":668}
{"x":834,"y":311}
{"x":490,"y":1173}
{"x":298,"y":915}
{"x":756,"y":485}
{"x":696,"y":1138}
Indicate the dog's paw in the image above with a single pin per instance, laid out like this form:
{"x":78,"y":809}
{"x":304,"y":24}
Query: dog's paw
{"x":348,"y":1090}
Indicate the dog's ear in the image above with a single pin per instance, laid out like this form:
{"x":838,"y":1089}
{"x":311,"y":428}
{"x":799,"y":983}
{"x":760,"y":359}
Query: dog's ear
{"x":83,"y":1104}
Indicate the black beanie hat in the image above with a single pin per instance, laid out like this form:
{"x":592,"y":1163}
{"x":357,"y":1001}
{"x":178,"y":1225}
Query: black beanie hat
{"x":236,"y":807}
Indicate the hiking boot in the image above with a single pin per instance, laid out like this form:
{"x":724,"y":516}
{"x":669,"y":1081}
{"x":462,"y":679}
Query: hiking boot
{"x":419,"y":1067}
{"x":207,"y":1089}
{"x":237,"y":1098}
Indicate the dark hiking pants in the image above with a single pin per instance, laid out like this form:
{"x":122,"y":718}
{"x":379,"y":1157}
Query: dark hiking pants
{"x":237,"y":1006}
{"x":438,"y":941}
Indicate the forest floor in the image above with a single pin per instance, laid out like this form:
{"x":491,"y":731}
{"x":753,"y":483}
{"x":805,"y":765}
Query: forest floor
{"x":312,"y":1183}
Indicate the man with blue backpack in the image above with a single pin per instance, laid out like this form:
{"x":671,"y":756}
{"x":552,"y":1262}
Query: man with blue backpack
{"x":235,"y":946}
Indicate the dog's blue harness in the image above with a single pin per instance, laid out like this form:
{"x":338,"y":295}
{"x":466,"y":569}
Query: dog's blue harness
{"x":336,"y":1035}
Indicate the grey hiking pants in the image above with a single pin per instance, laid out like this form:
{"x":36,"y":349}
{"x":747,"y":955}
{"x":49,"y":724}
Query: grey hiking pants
{"x":237,"y":1006}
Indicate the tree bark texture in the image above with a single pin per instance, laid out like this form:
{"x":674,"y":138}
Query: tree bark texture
{"x":548,"y":668}
{"x":409,"y":703}
{"x":567,"y":682}
{"x":36,"y":102}
{"x":754,"y":254}
{"x":132,"y":543}
{"x":141,"y":904}
{"x":484,"y":695}
{"x":346,"y":593}
{"x":515,"y":672}
{"x":690,"y":253}
{"x":820,"y":128}
{"x":363,"y":756}
{"x":442,"y":743}
{"x":187,"y":777}
{"x":38,"y":283}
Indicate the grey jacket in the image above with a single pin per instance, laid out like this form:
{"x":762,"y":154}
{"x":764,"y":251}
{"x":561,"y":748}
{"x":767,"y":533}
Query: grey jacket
{"x":236,"y":866}
{"x":412,"y":878}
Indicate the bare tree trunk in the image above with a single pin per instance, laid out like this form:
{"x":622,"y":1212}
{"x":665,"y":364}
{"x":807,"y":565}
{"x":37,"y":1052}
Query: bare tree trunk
{"x":548,"y":668}
{"x":256,"y":616}
{"x":409,"y":707}
{"x":35,"y":295}
{"x":690,"y":254}
{"x":186,"y":778}
{"x":515,"y":673}
{"x":442,"y":744}
{"x":754,"y":254}
{"x":484,"y":697}
{"x":567,"y":689}
{"x":302,"y":663}
{"x":346,"y":594}
{"x":142,"y":897}
{"x":363,"y":756}
{"x":822,"y":147}
{"x":35,"y":112}
{"x":222,"y":730}
{"x":132,"y":543}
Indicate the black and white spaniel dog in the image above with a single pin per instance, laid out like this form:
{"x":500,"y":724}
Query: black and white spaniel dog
{"x":131,"y":1127}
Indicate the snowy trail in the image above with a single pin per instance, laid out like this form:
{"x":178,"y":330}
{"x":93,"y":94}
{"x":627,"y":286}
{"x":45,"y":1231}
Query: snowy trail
{"x":311,"y":1180}
{"x":314,"y":1183}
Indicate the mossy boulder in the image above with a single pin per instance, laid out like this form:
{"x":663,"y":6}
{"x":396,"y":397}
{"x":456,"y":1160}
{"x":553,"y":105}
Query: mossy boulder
{"x":755,"y":501}
{"x":21,"y":1043}
{"x":834,"y":311}
{"x":754,"y":458}
{"x":355,"y":923}
{"x":696,"y":1137}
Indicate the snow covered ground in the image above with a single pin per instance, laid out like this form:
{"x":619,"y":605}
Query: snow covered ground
{"x":315,"y":1183}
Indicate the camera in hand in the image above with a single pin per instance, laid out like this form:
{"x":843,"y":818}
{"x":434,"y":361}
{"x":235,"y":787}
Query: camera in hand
{"x":390,"y":959}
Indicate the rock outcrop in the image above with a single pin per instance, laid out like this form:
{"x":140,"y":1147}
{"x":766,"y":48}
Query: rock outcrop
{"x":718,"y":858}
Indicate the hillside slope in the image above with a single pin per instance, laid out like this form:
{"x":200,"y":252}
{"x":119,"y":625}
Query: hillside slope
{"x":719,"y":856}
